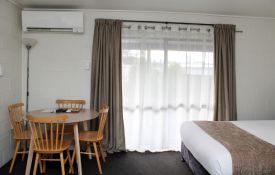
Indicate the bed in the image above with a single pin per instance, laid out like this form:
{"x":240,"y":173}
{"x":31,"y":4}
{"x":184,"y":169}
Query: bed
{"x":206,"y":155}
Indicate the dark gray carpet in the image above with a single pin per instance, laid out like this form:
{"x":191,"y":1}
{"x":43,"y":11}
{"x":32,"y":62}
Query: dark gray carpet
{"x":130,"y":163}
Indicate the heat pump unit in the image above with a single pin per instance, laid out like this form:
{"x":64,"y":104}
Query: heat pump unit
{"x":52,"y":21}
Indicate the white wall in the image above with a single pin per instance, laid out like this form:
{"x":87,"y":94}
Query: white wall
{"x":56,"y":62}
{"x":10,"y":83}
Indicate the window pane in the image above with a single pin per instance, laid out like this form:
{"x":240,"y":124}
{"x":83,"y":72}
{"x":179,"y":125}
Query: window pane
{"x":167,"y":79}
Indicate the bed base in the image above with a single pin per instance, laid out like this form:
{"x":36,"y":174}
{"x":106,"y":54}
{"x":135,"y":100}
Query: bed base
{"x":192,"y":162}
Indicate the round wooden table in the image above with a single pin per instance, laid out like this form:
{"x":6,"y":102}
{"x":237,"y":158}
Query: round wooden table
{"x":73,"y":118}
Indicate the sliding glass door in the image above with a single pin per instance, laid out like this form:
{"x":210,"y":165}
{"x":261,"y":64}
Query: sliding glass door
{"x":167,"y":79}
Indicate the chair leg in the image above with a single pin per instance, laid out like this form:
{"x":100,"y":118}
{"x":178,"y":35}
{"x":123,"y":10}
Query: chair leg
{"x":36,"y":163}
{"x":97,"y":158}
{"x":14,"y":155}
{"x":44,"y":166}
{"x":71,"y":171}
{"x":102,"y":152}
{"x":73,"y":156}
{"x":88,"y":149}
{"x":24,"y":149}
{"x":62,"y":163}
{"x":40,"y":165}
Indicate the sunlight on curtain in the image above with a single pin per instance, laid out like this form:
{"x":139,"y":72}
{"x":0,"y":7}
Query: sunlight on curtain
{"x":167,"y":79}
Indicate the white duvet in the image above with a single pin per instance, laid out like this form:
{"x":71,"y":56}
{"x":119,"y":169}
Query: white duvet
{"x":212,"y":155}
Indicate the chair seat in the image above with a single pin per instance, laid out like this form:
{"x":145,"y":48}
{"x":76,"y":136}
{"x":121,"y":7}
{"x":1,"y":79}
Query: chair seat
{"x":65,"y":145}
{"x":89,"y":136}
{"x":69,"y":129}
{"x":25,"y":135}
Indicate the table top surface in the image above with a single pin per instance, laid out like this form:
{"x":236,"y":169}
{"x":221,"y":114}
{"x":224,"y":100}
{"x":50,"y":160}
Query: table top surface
{"x":83,"y":115}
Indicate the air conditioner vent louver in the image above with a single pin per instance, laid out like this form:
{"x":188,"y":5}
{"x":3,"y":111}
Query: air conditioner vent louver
{"x":34,"y":29}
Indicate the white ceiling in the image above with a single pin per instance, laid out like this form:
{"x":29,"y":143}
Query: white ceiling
{"x":261,"y":8}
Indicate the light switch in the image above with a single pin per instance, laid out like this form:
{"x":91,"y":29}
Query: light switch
{"x":1,"y":71}
{"x":86,"y":65}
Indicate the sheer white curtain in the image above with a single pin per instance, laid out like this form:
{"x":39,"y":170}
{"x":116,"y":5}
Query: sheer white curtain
{"x":167,"y":79}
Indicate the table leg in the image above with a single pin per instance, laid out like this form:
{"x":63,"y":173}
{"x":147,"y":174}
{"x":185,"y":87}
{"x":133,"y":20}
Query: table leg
{"x":77,"y":149}
{"x":30,"y":155}
{"x":86,"y":128}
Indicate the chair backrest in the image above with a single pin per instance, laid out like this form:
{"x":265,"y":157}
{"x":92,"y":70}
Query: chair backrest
{"x":103,"y":113}
{"x":47,"y":132}
{"x":17,"y":119}
{"x":71,"y":104}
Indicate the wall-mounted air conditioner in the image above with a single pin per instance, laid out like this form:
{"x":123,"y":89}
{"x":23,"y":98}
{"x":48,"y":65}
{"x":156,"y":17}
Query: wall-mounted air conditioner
{"x":52,"y":21}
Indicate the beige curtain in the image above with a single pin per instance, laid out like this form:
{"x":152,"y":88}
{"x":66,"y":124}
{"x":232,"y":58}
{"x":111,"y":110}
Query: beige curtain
{"x":106,"y":80}
{"x":224,"y":73}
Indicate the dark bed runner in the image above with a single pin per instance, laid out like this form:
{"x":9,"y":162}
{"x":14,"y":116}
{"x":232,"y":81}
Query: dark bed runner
{"x":250,"y":155}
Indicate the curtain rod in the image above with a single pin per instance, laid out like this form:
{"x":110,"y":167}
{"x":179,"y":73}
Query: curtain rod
{"x":164,"y":22}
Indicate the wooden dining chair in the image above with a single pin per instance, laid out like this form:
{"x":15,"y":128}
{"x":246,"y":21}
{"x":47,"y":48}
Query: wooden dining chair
{"x":48,"y":139}
{"x":70,"y":104}
{"x":21,"y":134}
{"x":95,"y":138}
